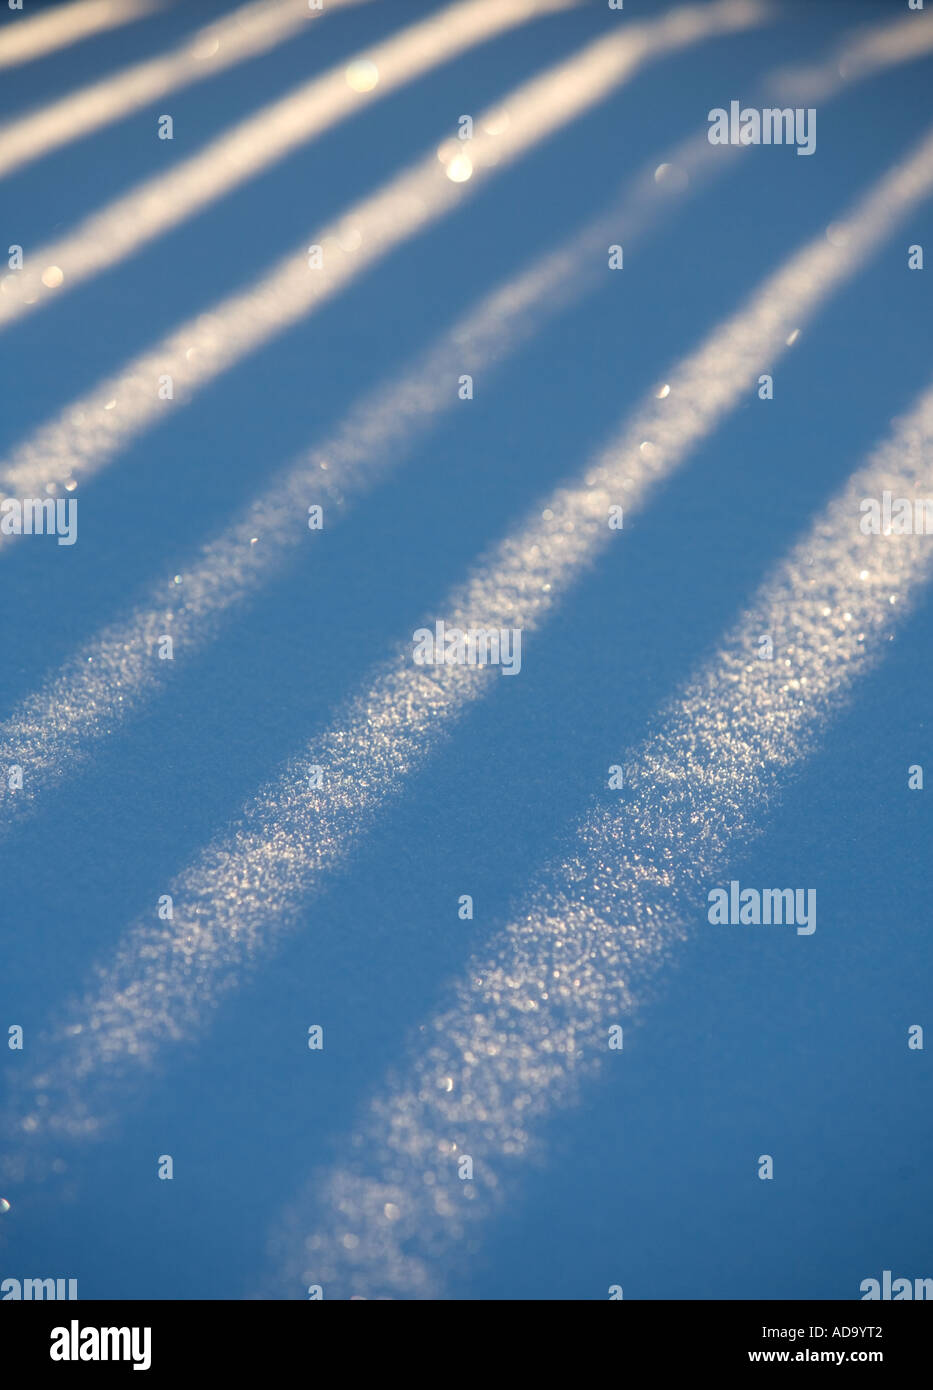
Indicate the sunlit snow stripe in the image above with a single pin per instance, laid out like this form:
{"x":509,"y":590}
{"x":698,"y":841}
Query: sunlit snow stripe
{"x":90,"y":432}
{"x":25,"y":37}
{"x":116,"y":672}
{"x":529,"y":1018}
{"x":245,"y":33}
{"x":861,"y":54}
{"x":250,"y":885}
{"x":112,"y":674}
{"x":160,"y":203}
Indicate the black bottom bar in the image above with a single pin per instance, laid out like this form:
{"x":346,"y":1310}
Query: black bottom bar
{"x":242,"y":1339}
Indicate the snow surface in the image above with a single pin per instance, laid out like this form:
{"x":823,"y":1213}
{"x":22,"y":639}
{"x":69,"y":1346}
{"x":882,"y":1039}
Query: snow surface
{"x":337,"y":905}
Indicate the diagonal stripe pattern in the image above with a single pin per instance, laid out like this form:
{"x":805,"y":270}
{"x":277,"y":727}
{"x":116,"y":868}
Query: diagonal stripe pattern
{"x":244,"y":891}
{"x":528,"y":1021}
